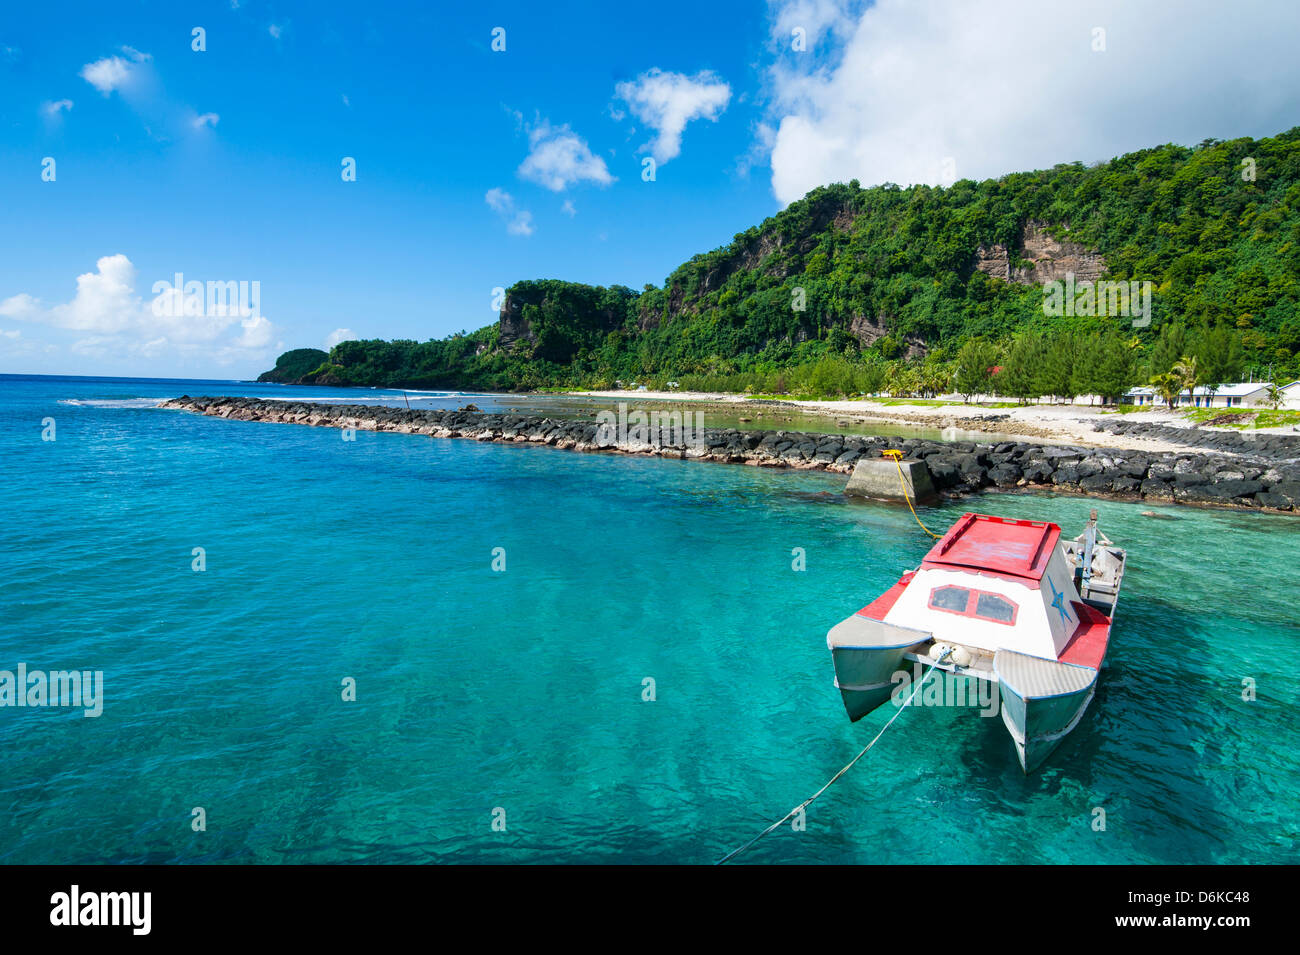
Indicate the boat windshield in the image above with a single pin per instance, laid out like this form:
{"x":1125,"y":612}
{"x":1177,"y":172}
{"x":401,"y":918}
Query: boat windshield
{"x":950,"y":598}
{"x":993,"y":607}
{"x":979,"y":604}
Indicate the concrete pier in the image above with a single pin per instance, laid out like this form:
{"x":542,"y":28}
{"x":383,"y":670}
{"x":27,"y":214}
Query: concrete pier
{"x":877,"y":478}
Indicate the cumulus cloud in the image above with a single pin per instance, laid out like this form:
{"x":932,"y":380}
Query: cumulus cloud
{"x":114,"y":72}
{"x":815,"y":18}
{"x":53,"y":109}
{"x":666,"y":102}
{"x":207,"y":119}
{"x":521,"y":223}
{"x":569,"y":209}
{"x":518,"y":221}
{"x":118,"y":321}
{"x":339,"y":335}
{"x":558,"y":158}
{"x":914,"y":93}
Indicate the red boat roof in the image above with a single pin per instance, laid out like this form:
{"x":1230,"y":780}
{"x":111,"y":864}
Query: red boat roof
{"x":997,"y":545}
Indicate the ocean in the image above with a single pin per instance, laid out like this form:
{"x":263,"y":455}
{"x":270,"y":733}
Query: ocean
{"x":503,"y":614}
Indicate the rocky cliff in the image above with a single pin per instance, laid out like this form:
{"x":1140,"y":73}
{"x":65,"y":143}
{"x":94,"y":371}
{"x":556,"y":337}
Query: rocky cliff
{"x":1041,"y":257}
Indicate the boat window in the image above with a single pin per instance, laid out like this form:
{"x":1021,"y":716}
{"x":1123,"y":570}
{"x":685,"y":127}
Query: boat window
{"x":993,"y":607}
{"x":950,"y":598}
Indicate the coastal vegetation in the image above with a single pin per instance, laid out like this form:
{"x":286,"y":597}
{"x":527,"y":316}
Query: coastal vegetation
{"x":920,"y":290}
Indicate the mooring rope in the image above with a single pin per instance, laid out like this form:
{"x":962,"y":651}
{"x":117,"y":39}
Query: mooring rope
{"x":902,"y":483}
{"x":809,"y":801}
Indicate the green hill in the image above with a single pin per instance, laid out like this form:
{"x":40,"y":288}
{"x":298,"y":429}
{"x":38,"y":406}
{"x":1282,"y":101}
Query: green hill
{"x":852,"y":289}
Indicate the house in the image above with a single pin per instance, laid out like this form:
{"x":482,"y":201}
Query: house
{"x":1242,"y":394}
{"x":1291,"y":396}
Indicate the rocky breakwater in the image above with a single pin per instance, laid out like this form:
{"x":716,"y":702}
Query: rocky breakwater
{"x":1278,"y":447}
{"x":956,"y":468}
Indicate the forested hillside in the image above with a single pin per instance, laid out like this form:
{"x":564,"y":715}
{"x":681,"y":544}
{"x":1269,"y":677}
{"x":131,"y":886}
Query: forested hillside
{"x":922,"y":289}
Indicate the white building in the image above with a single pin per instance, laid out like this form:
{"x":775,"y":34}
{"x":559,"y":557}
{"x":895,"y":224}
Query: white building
{"x":1242,"y":394}
{"x":1291,"y":396}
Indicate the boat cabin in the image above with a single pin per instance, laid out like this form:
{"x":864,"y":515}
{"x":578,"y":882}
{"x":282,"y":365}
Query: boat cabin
{"x":991,"y":583}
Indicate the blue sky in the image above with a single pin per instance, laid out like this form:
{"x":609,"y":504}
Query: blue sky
{"x":476,"y":168}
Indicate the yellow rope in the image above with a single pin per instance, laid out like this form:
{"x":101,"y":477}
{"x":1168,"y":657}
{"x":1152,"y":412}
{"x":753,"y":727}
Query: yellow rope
{"x":902,"y":483}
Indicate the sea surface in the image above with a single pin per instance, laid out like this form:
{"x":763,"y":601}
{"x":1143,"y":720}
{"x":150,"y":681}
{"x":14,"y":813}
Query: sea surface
{"x":500,"y":714}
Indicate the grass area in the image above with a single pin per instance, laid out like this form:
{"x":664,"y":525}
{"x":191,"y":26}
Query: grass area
{"x":1276,"y":419}
{"x":1242,"y":419}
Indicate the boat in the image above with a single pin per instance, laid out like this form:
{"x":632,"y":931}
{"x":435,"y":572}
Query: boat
{"x":999,"y":600}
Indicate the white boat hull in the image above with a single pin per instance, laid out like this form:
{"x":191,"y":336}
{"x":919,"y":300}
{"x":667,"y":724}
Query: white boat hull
{"x":867,"y":654}
{"x":1042,"y":701}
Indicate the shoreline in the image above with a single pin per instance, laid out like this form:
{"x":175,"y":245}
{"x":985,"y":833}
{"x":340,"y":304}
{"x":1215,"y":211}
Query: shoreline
{"x":1089,"y":425}
{"x":958,"y":468}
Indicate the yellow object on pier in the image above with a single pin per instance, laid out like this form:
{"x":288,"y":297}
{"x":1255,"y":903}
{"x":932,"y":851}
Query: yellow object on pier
{"x":897,"y":456}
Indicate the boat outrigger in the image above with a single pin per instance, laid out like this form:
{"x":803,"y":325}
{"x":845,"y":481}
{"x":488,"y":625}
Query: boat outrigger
{"x":999,"y":600}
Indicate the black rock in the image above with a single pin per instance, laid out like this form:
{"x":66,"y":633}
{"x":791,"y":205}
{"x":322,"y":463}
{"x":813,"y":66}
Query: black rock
{"x":1005,"y":475}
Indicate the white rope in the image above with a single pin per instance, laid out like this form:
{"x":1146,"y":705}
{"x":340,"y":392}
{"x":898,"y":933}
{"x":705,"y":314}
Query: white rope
{"x":809,"y":801}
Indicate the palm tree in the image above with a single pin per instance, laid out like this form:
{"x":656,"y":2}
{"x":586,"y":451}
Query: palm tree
{"x":1185,"y":369}
{"x":1168,"y":386}
{"x":1273,"y":396}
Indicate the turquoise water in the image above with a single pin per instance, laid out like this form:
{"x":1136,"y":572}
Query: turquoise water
{"x":522,"y":690}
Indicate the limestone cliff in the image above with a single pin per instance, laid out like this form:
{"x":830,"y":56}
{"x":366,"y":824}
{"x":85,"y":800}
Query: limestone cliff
{"x":1042,"y":258}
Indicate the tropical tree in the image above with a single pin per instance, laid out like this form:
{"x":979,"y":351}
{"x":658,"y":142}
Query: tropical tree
{"x":973,"y":374}
{"x":1168,"y":386}
{"x":1056,"y":373}
{"x":1019,"y":375}
{"x":1185,"y":369}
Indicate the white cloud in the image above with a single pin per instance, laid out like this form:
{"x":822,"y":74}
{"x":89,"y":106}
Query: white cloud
{"x":107,"y":74}
{"x":569,"y":209}
{"x":275,"y":30}
{"x":518,"y":221}
{"x":521,"y":224}
{"x":114,"y":72}
{"x":207,"y":119}
{"x":668,"y":101}
{"x":996,"y":86}
{"x":339,"y":335}
{"x":559,"y":157}
{"x":257,"y":332}
{"x":117,"y":321}
{"x":52,"y":110}
{"x":816,"y":18}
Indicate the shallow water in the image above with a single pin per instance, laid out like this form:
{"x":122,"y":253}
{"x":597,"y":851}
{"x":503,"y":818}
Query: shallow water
{"x":522,"y":690}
